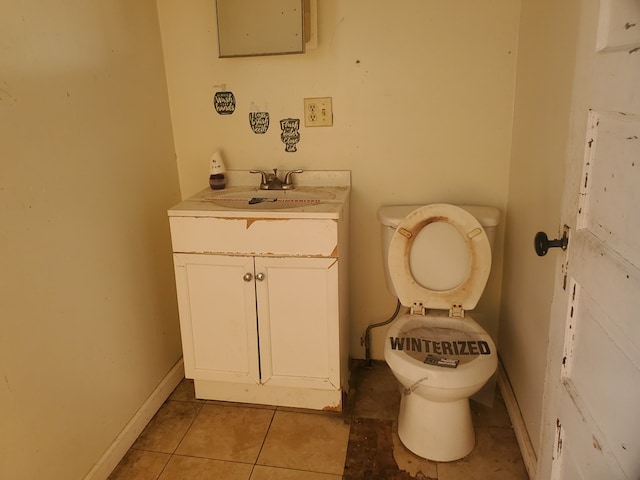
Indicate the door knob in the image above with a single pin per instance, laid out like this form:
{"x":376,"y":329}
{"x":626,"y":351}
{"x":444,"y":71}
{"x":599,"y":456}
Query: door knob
{"x":542,"y":244}
{"x":260,"y":277}
{"x":247,"y":277}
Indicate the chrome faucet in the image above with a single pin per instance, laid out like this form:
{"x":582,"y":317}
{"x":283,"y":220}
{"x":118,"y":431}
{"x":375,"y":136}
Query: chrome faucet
{"x":270,"y":181}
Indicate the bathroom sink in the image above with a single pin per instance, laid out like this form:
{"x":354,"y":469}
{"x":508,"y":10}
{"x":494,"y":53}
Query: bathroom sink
{"x":252,"y":198}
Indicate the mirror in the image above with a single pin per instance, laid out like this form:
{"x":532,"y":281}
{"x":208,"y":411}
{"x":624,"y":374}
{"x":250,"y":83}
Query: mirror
{"x":261,"y":27}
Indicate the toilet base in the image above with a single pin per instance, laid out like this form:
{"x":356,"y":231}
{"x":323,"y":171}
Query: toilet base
{"x":438,"y":431}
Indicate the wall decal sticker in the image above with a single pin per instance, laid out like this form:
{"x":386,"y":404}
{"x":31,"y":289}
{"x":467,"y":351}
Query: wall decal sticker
{"x":224,"y":103}
{"x":290,"y":135}
{"x":259,"y":121}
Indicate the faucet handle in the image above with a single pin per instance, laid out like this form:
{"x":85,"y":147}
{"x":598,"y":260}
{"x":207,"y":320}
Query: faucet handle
{"x":265,"y":177}
{"x":287,"y":177}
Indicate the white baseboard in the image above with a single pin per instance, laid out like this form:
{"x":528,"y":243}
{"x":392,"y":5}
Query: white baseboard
{"x":134,"y":428}
{"x":519,"y":427}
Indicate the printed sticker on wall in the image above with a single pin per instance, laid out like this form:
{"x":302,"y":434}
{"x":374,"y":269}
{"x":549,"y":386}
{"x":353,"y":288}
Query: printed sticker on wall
{"x":224,"y":103}
{"x":259,"y":121}
{"x":290,"y":135}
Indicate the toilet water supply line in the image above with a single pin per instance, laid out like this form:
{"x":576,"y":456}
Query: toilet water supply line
{"x":366,"y":341}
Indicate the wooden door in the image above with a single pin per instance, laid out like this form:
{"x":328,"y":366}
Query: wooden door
{"x":591,"y":409}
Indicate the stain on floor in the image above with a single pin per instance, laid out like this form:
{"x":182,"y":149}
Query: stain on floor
{"x":375,"y":451}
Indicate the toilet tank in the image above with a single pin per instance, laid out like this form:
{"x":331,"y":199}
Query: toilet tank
{"x":391,"y":216}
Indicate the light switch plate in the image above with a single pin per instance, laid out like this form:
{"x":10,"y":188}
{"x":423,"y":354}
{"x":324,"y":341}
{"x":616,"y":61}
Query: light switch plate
{"x":318,"y":112}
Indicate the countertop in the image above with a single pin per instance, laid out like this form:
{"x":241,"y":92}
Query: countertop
{"x":335,"y":184}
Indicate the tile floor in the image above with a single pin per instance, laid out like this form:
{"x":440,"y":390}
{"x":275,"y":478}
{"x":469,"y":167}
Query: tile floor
{"x":191,"y":439}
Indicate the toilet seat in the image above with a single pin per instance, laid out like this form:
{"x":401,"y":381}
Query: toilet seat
{"x":461,"y":229}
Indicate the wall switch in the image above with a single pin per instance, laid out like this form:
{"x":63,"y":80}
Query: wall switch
{"x":318,"y":112}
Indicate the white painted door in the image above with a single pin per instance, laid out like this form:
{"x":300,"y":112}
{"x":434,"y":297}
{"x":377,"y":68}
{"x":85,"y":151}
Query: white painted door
{"x":217,"y":304}
{"x":592,"y":399}
{"x":298,"y":318}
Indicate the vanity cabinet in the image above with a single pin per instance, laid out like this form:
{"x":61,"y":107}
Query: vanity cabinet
{"x":263,"y":304}
{"x":260,"y":320}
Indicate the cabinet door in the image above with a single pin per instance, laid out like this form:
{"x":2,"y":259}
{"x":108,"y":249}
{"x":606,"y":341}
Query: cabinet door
{"x":298,"y":322}
{"x":217,"y":317}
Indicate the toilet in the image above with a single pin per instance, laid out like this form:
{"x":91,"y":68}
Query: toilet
{"x":437,"y":261}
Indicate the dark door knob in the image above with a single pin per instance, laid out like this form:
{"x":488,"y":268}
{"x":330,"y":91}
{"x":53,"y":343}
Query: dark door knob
{"x":542,"y":244}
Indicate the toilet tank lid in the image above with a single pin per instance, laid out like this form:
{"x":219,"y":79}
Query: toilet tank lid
{"x":392,"y":215}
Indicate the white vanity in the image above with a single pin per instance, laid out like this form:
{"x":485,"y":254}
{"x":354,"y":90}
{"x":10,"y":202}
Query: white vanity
{"x":262,"y":290}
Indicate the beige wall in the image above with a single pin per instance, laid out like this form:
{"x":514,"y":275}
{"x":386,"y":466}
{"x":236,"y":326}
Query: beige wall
{"x":422,"y":97}
{"x":88,"y":320}
{"x":547,"y":44}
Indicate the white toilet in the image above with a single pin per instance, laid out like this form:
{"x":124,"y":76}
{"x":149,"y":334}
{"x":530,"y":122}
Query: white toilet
{"x":437,"y":262}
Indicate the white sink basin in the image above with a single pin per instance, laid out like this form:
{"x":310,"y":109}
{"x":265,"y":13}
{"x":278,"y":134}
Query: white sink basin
{"x":252,"y":198}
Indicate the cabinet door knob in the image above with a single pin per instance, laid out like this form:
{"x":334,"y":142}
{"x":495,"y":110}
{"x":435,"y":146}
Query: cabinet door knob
{"x":260,"y":277}
{"x":247,"y":277}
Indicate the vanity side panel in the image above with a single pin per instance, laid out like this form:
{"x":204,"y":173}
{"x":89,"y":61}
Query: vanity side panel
{"x":344,"y":236}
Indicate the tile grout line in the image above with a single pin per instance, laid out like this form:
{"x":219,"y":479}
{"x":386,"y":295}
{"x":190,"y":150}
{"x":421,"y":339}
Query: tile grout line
{"x":342,"y":416}
{"x":200,"y":405}
{"x":264,"y":439}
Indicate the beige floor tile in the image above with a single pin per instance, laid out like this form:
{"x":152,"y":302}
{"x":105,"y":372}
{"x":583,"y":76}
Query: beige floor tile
{"x":140,"y":465}
{"x":191,"y":468}
{"x":260,"y":472}
{"x":306,"y":441}
{"x":167,"y":427}
{"x":227,"y":433}
{"x":495,"y":456}
{"x":185,"y":392}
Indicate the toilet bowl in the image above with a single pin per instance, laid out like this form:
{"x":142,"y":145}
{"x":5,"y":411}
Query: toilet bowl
{"x":437,"y":262}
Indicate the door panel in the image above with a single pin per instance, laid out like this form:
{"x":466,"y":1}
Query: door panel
{"x":217,"y":317}
{"x":616,"y":286}
{"x":596,"y":364}
{"x":298,"y":321}
{"x":610,"y":196}
{"x":579,"y":435}
{"x":616,"y":21}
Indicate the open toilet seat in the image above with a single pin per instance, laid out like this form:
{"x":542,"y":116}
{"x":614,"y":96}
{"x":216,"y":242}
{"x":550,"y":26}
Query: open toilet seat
{"x":442,"y":288}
